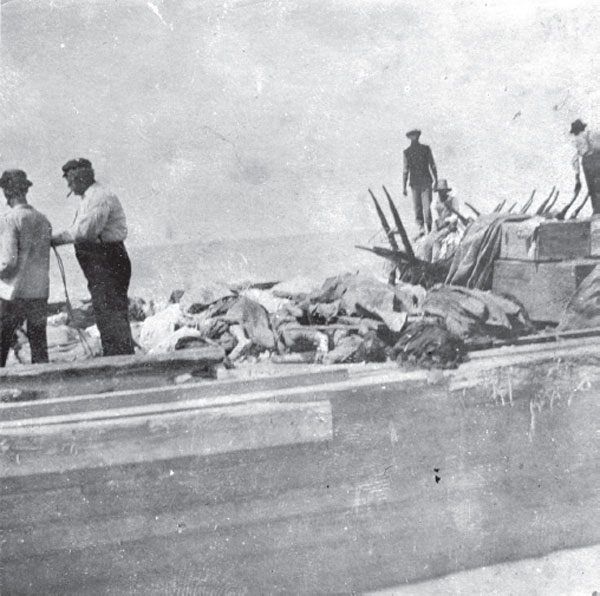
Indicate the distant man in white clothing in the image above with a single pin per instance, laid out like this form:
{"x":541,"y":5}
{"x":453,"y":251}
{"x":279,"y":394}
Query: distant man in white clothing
{"x":24,"y":264}
{"x":587,"y":150}
{"x":98,"y":233}
{"x":448,"y":225}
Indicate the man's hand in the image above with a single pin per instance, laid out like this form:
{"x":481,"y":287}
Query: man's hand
{"x":60,"y":239}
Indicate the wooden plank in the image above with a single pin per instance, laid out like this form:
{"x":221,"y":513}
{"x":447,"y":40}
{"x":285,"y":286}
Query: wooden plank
{"x":192,"y":402}
{"x":543,"y":288}
{"x":504,"y":493}
{"x":110,"y":373}
{"x":582,"y":359}
{"x":104,"y":442}
{"x":107,"y":364}
{"x":549,"y":342}
{"x":538,"y":338}
{"x":68,"y":405}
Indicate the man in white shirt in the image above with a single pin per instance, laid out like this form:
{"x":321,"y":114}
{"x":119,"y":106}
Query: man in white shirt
{"x":587,"y":150}
{"x":448,"y":225}
{"x":98,"y":233}
{"x":24,"y":265}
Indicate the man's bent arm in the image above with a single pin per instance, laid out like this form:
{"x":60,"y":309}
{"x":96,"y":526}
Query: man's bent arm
{"x":433,"y":167}
{"x":9,"y":258}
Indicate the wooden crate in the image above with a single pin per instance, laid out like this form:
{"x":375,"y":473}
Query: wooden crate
{"x":544,"y":288}
{"x":551,"y":240}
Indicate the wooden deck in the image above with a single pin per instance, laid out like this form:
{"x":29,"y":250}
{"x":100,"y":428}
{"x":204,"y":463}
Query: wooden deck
{"x":340,"y":481}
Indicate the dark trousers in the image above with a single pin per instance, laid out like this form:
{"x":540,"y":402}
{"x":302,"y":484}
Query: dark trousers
{"x":13,"y":314}
{"x":107,"y":269}
{"x":591,"y":171}
{"x":421,"y":196}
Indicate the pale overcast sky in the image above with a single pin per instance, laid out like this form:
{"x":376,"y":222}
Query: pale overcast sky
{"x":248,"y":118}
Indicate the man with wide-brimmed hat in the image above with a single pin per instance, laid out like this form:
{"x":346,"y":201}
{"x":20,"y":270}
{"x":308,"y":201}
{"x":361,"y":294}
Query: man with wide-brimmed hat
{"x":446,"y":209}
{"x":98,"y":233}
{"x":24,"y":268}
{"x":587,"y":150}
{"x":448,"y":225}
{"x":420,"y":173}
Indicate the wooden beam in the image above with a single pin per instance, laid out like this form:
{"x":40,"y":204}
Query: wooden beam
{"x":103,"y":402}
{"x":96,"y":442}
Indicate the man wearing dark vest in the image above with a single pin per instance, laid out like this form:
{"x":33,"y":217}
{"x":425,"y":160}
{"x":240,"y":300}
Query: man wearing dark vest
{"x":421,"y":174}
{"x":98,"y":232}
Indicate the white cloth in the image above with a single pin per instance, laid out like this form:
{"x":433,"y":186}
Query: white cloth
{"x":99,"y":218}
{"x":25,"y":253}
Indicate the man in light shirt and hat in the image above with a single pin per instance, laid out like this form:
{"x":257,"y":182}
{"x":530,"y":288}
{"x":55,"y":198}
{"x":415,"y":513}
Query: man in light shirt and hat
{"x":98,"y":233}
{"x":25,"y":235}
{"x":587,"y":151}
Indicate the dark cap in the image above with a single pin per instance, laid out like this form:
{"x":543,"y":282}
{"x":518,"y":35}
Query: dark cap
{"x":14,"y":178}
{"x":577,"y":126}
{"x":413,"y":131}
{"x":75,"y":164}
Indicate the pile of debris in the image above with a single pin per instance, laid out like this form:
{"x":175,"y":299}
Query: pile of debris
{"x":348,"y":318}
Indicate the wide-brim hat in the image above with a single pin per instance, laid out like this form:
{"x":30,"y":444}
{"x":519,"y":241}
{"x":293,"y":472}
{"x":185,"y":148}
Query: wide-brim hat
{"x":442,"y":185}
{"x":413,"y":132}
{"x":75,"y":164}
{"x":577,"y":126}
{"x":14,"y":179}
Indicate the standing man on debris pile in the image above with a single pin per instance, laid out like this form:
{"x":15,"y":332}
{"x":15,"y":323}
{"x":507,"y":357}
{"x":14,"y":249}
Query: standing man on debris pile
{"x":24,"y":266}
{"x":420,"y":172}
{"x":587,"y":149}
{"x":98,"y":232}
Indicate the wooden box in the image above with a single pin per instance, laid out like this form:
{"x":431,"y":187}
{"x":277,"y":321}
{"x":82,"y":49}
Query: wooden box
{"x":543,"y":288}
{"x":532,"y":240}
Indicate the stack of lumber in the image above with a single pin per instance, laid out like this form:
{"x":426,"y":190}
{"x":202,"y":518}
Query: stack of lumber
{"x":339,"y":481}
{"x":542,"y":263}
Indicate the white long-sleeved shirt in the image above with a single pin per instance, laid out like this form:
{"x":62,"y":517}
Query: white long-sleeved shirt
{"x":445,"y":211}
{"x":25,"y":253}
{"x":586,"y":142}
{"x":99,"y":218}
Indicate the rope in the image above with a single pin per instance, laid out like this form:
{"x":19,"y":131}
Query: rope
{"x":82,"y":338}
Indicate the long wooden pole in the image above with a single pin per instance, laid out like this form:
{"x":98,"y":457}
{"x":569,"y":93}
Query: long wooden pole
{"x":528,"y":203}
{"x":576,"y":212}
{"x":384,"y":223}
{"x":552,"y":202}
{"x":399,"y":225}
{"x":541,"y":208}
{"x":477,"y":213}
{"x":563,"y":212}
{"x":499,"y":206}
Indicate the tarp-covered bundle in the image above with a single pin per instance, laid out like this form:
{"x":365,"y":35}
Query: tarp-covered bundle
{"x":473,"y":262}
{"x":583,"y":310}
{"x":470,"y":313}
{"x":429,"y":344}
